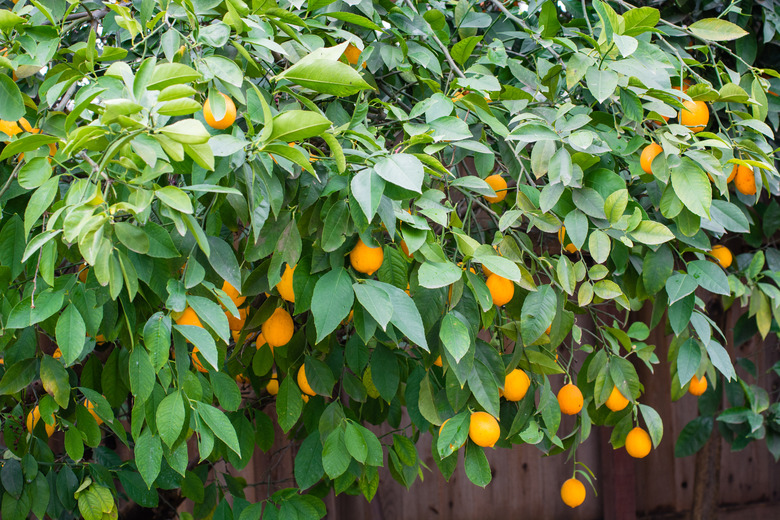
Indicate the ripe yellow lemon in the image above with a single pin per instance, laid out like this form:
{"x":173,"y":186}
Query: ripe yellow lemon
{"x":91,"y":408}
{"x":570,"y":399}
{"x":303,"y":383}
{"x":32,"y":420}
{"x":484,"y":429}
{"x":196,"y":361}
{"x":278,"y":328}
{"x":498,"y":184}
{"x":697,"y":386}
{"x":722,"y":255}
{"x":228,"y":119}
{"x":616,"y":401}
{"x":571,"y":248}
{"x":285,"y":285}
{"x":352,"y":54}
{"x":233,"y":293}
{"x":516,"y":384}
{"x":366,"y":259}
{"x":188,"y":317}
{"x":273,"y":385}
{"x":695,"y":115}
{"x":573,"y":492}
{"x":745,"y":181}
{"x":638,"y":443}
{"x":438,"y":362}
{"x":236,"y":324}
{"x":648,"y":154}
{"x":501,"y":289}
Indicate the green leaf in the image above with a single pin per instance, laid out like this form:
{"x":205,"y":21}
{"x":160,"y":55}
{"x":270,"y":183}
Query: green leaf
{"x":219,"y":424}
{"x":227,"y":391}
{"x":170,"y":417}
{"x":74,"y":445}
{"x":201,"y":339}
{"x":71,"y":334}
{"x":615,"y":205}
{"x":484,"y":387}
{"x":433,"y":275}
{"x":12,"y":107}
{"x":454,"y":335}
{"x":297,"y":125}
{"x":157,"y":339}
{"x":55,"y":380}
{"x":692,"y":187}
{"x":641,"y":17}
{"x":319,"y":375}
{"x":385,"y":373}
{"x":548,"y":20}
{"x":332,"y":300}
{"x":679,"y":286}
{"x":599,"y":246}
{"x":693,"y":436}
{"x":376,"y":302}
{"x":655,"y":425}
{"x":462,"y":50}
{"x":651,"y":233}
{"x":716,"y":30}
{"x":601,"y":83}
{"x":710,"y":276}
{"x":688,"y":360}
{"x":335,"y":458}
{"x":406,"y":316}
{"x":356,"y":444}
{"x":18,"y":376}
{"x":477,"y":465}
{"x":175,"y":198}
{"x":537,"y":314}
{"x":141,"y":374}
{"x":167,"y":74}
{"x":186,"y":131}
{"x":133,"y":237}
{"x":367,"y":189}
{"x":326,"y":77}
{"x":39,"y":202}
{"x":308,"y":462}
{"x":657,"y":267}
{"x":288,"y":404}
{"x":148,"y":456}
{"x":401,"y":169}
{"x":720,"y":359}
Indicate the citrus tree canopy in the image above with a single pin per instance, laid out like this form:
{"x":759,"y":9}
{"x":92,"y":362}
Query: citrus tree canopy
{"x":382,"y":218}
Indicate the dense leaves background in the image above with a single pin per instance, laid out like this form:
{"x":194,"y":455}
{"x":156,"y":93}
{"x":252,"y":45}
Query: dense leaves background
{"x":375,"y":122}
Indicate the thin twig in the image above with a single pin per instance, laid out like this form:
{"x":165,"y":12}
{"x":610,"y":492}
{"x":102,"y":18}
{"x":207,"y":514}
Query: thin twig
{"x":443,"y":47}
{"x":525,"y":27}
{"x":10,"y":179}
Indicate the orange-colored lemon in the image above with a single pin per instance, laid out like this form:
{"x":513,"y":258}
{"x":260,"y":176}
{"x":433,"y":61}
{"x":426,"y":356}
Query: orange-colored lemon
{"x":233,"y":294}
{"x":695,"y":115}
{"x":83,"y":273}
{"x":484,"y":429}
{"x":571,"y":248}
{"x":100,"y":339}
{"x":438,"y":362}
{"x":236,"y":324}
{"x":352,"y":54}
{"x":516,"y":384}
{"x":548,"y":330}
{"x":57,"y":353}
{"x":638,"y":443}
{"x":273,"y":385}
{"x":10,"y":128}
{"x":498,"y":184}
{"x":573,"y":492}
{"x":228,"y":119}
{"x":285,"y":285}
{"x":722,"y":255}
{"x":260,"y":341}
{"x":236,"y":334}
{"x":188,"y":317}
{"x":278,"y":328}
{"x":745,"y":181}
{"x":697,"y":386}
{"x":305,"y":398}
{"x":501,"y":289}
{"x":570,"y":399}
{"x":405,"y":249}
{"x":32,"y":420}
{"x":366,"y":259}
{"x":734,"y":171}
{"x":241,"y":379}
{"x":196,"y":361}
{"x":616,"y":401}
{"x":303,"y":383}
{"x":648,"y":154}
{"x":91,"y":409}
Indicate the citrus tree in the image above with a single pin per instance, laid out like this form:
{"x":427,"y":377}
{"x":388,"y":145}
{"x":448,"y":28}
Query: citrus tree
{"x":385,"y":219}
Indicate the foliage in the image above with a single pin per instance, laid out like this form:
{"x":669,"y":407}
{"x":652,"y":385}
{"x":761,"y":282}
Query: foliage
{"x":375,"y":122}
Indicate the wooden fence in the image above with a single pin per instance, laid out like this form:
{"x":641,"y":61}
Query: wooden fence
{"x":527,"y":484}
